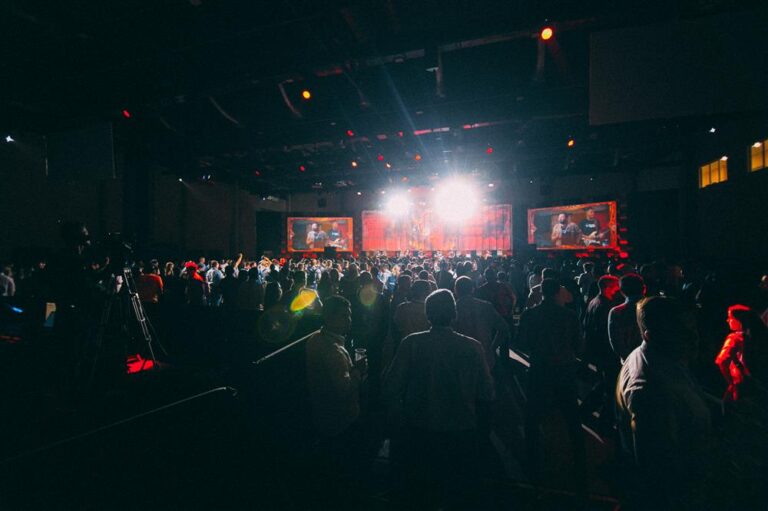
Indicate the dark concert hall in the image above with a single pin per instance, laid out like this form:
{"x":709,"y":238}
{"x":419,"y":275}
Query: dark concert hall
{"x":384,"y":255}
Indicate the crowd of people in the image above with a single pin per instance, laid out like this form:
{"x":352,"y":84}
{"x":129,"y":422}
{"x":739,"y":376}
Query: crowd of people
{"x":422,"y":351}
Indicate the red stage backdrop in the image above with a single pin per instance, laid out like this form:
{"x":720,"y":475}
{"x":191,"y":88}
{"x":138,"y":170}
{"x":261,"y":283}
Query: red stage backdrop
{"x":421,"y":229}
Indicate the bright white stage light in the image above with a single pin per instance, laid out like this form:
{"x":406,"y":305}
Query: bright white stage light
{"x":456,"y":201}
{"x":397,"y":205}
{"x":9,"y":139}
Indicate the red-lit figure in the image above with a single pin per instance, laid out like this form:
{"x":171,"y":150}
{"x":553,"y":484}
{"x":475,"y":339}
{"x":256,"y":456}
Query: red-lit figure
{"x":743,"y":350}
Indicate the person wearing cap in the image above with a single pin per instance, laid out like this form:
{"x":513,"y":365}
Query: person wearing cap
{"x":195,"y":288}
{"x":550,"y":334}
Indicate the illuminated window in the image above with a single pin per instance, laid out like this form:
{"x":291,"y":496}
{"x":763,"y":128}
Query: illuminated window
{"x":713,"y":172}
{"x":758,"y":155}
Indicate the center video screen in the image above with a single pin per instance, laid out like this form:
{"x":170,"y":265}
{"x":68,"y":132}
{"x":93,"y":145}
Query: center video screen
{"x":581,"y":226}
{"x":314,"y":234}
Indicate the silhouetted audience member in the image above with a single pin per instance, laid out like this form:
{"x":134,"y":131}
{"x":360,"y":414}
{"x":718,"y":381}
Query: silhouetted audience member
{"x":500,"y":294}
{"x":623,"y":332}
{"x":411,"y":317}
{"x":664,"y":416}
{"x":479,"y":320}
{"x":551,"y":334}
{"x":743,"y":359}
{"x":439,"y":376}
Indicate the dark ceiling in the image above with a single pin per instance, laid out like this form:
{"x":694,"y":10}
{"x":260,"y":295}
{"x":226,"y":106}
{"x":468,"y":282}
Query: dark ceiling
{"x":404,"y":89}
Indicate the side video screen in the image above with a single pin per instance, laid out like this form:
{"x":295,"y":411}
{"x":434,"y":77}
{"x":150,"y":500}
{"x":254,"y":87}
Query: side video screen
{"x":580,"y":226}
{"x":313,"y":234}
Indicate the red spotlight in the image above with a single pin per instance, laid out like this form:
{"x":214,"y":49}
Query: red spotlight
{"x":350,"y":133}
{"x":126,"y":114}
{"x":489,"y":150}
{"x":417,"y":157}
{"x":380,"y":157}
{"x":256,"y":173}
{"x":547,"y":33}
{"x":302,"y":168}
{"x":400,"y":134}
{"x":306,"y":94}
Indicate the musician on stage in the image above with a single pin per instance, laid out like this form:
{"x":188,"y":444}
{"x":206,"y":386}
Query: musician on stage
{"x":335,"y":236}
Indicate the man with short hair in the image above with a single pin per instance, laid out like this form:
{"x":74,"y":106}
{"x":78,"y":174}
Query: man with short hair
{"x":550,"y":333}
{"x":500,"y":294}
{"x":410,"y":317}
{"x":665,"y":420}
{"x":333,"y":379}
{"x":479,"y":320}
{"x":623,"y":332}
{"x":439,"y":376}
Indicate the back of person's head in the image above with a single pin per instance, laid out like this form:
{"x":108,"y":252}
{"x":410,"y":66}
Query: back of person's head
{"x":440,"y":308}
{"x":419,"y":290}
{"x":632,"y":285}
{"x":502,"y":276}
{"x":272,"y":294}
{"x":549,"y":273}
{"x":214,"y":264}
{"x":424,"y":275}
{"x":607,"y":281}
{"x":366,"y":278}
{"x":589,"y":267}
{"x":661,"y":322}
{"x":333,"y":307}
{"x":404,"y":282}
{"x":352,"y":271}
{"x":550,"y":288}
{"x":229,"y":270}
{"x":299,"y":277}
{"x":490,"y":275}
{"x":464,"y":286}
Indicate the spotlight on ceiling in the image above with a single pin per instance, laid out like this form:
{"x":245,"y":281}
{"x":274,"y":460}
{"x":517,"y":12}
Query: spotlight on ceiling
{"x":302,"y":168}
{"x":350,"y":133}
{"x":126,"y":113}
{"x":571,"y":142}
{"x":397,"y":205}
{"x":305,"y":94}
{"x":456,"y":201}
{"x":547,"y":33}
{"x":380,"y":157}
{"x":9,"y":139}
{"x":713,"y":130}
{"x":354,"y":164}
{"x":489,"y":150}
{"x":417,"y":157}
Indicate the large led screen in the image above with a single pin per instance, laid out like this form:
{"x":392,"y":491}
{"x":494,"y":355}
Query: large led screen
{"x":423,"y":230}
{"x":590,"y":226}
{"x":313,"y":234}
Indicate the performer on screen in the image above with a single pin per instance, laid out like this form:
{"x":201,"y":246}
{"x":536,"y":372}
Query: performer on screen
{"x":335,"y":236}
{"x":316,"y":237}
{"x":565,"y":232}
{"x":590,"y":229}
